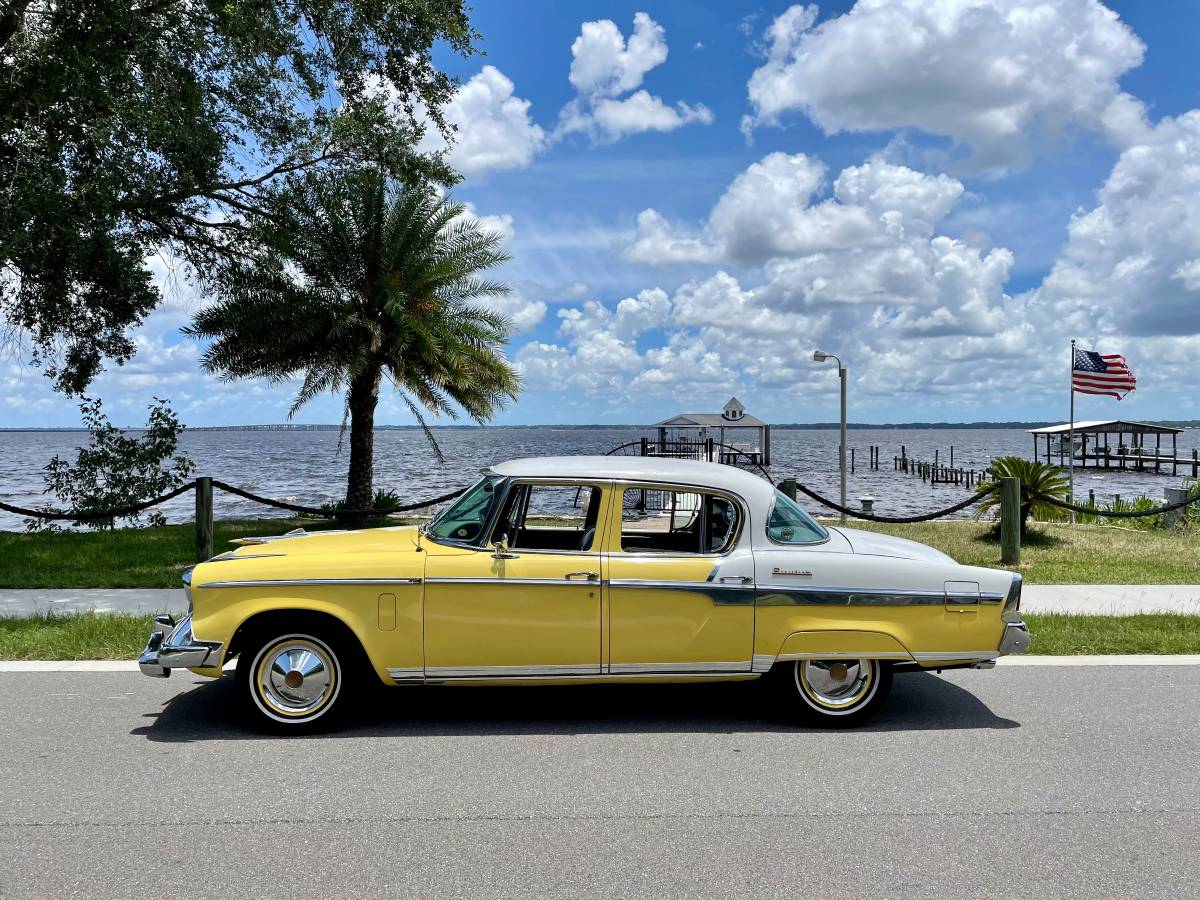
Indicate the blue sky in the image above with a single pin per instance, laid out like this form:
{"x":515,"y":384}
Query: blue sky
{"x":695,"y":197}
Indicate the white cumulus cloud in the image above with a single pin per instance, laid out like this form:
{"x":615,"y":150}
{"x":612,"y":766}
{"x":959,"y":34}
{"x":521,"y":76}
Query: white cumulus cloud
{"x":493,"y":128}
{"x":1132,"y":263}
{"x":992,"y":75}
{"x":605,"y":68}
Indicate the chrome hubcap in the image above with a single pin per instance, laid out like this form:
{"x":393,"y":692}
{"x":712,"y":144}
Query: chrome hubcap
{"x":296,"y":676}
{"x":835,"y":683}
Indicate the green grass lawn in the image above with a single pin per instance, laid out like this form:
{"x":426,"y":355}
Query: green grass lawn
{"x":122,"y":635}
{"x":124,"y":558}
{"x":1065,"y":554}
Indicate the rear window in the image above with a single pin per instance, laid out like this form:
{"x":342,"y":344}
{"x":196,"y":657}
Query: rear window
{"x":676,"y":522}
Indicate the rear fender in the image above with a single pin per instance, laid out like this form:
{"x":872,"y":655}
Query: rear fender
{"x":842,"y":644}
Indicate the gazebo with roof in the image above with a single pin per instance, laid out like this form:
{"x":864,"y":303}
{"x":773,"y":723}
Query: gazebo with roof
{"x":733,"y":432}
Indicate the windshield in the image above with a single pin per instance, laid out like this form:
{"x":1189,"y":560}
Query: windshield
{"x":464,"y":521}
{"x":789,"y":524}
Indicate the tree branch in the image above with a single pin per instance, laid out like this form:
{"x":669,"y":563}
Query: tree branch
{"x":10,"y":21}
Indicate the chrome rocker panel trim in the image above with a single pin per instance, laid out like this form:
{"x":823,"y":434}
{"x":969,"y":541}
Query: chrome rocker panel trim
{"x":174,"y":646}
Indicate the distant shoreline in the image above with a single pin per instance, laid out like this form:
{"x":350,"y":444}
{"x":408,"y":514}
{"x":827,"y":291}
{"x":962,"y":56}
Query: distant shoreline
{"x":789,"y":426}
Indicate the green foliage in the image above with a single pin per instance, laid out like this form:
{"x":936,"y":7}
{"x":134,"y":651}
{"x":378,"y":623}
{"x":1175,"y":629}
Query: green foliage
{"x":368,"y":279}
{"x":117,"y":469}
{"x":1037,"y":477}
{"x":383,"y":500}
{"x":129,"y":126}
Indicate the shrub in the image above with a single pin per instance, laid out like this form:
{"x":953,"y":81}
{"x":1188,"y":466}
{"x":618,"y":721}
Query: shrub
{"x":117,"y":469}
{"x":1034,"y":476}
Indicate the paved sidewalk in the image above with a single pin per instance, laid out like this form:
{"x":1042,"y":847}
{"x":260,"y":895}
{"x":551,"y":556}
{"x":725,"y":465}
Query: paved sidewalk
{"x":1086,"y":599}
{"x":1111,"y":599}
{"x":25,"y":602}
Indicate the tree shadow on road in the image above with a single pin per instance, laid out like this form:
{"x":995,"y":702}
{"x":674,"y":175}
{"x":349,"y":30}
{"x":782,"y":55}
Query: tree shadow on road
{"x":920,"y":701}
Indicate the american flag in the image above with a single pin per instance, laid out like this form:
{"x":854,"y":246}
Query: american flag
{"x":1101,"y":373}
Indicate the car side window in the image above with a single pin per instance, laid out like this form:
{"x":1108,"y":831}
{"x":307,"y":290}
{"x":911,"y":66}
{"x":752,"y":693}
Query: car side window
{"x":676,"y":521}
{"x":550,"y":517}
{"x":789,"y":524}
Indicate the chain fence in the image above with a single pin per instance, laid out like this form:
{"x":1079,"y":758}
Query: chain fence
{"x":1110,"y":514}
{"x":898,"y":520}
{"x":117,"y":512}
{"x":1027,"y":493}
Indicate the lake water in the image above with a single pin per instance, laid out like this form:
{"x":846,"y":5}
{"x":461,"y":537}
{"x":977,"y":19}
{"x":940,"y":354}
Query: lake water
{"x":306,"y":467}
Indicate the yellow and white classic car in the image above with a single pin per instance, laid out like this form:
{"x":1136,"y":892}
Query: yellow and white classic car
{"x":589,"y":570}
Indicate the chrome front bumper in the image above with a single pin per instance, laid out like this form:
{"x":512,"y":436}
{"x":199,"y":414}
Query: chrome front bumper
{"x":1016,"y":638}
{"x":173,"y":646}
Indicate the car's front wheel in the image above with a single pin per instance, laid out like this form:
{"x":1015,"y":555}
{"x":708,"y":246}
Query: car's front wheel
{"x":293,"y":682}
{"x":836,"y":693}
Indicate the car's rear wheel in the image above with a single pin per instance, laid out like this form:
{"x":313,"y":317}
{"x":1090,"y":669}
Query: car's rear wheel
{"x":837,"y":693}
{"x":294,"y":682}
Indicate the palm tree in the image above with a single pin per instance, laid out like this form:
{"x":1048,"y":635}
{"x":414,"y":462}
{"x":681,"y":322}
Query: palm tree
{"x":1034,"y":476}
{"x":369,"y":280}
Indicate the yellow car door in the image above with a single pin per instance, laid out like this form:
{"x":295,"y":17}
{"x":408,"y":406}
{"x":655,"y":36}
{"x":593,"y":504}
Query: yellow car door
{"x":527,"y":602}
{"x":680,"y":583}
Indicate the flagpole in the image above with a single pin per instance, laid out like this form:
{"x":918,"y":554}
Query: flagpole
{"x":1071,"y":438}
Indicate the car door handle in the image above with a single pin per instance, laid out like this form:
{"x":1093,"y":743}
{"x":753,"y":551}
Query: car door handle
{"x":735,"y":579}
{"x":586,"y":576}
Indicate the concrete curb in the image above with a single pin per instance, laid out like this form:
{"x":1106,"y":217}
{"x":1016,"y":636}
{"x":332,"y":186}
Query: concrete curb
{"x":127,"y":665}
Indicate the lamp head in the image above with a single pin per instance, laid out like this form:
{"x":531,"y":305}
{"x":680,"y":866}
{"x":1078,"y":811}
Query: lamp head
{"x":820,"y":355}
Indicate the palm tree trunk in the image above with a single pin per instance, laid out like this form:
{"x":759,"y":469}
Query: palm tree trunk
{"x":364,"y":395}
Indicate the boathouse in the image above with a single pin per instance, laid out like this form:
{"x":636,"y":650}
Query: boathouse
{"x":1111,"y":444}
{"x":731,"y":436}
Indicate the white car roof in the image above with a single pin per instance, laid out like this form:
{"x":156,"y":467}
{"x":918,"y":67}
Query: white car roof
{"x":752,"y":487}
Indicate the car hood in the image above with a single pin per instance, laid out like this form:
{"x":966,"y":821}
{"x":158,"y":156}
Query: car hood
{"x":301,"y":543}
{"x":874,"y":544}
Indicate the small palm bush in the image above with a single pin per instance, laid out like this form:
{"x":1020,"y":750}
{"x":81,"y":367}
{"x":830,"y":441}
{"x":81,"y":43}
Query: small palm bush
{"x":1034,"y":476}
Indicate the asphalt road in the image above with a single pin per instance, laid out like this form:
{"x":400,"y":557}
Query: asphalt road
{"x":1022,"y":782}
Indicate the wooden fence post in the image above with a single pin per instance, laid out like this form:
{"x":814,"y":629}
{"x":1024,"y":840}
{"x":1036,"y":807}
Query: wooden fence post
{"x":788,"y":486}
{"x":204,"y":518}
{"x":1010,"y":521}
{"x":1175,"y":518}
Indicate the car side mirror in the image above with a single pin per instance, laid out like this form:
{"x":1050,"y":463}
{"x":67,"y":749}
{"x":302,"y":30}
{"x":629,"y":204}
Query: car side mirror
{"x":500,"y":546}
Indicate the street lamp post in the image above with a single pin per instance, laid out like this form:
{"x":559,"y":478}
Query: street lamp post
{"x":820,"y":356}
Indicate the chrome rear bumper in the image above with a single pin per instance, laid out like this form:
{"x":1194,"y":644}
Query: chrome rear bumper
{"x":173,"y":646}
{"x":1016,"y":638}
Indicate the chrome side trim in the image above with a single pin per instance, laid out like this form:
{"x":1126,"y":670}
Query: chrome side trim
{"x":679,"y":668}
{"x":231,"y":555}
{"x":829,"y":595}
{"x":762,"y":662}
{"x":510,"y":671}
{"x":720,"y":594}
{"x":302,"y":582}
{"x":410,"y":675}
{"x":707,"y":676}
{"x":500,"y":582}
{"x":841,"y":654}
